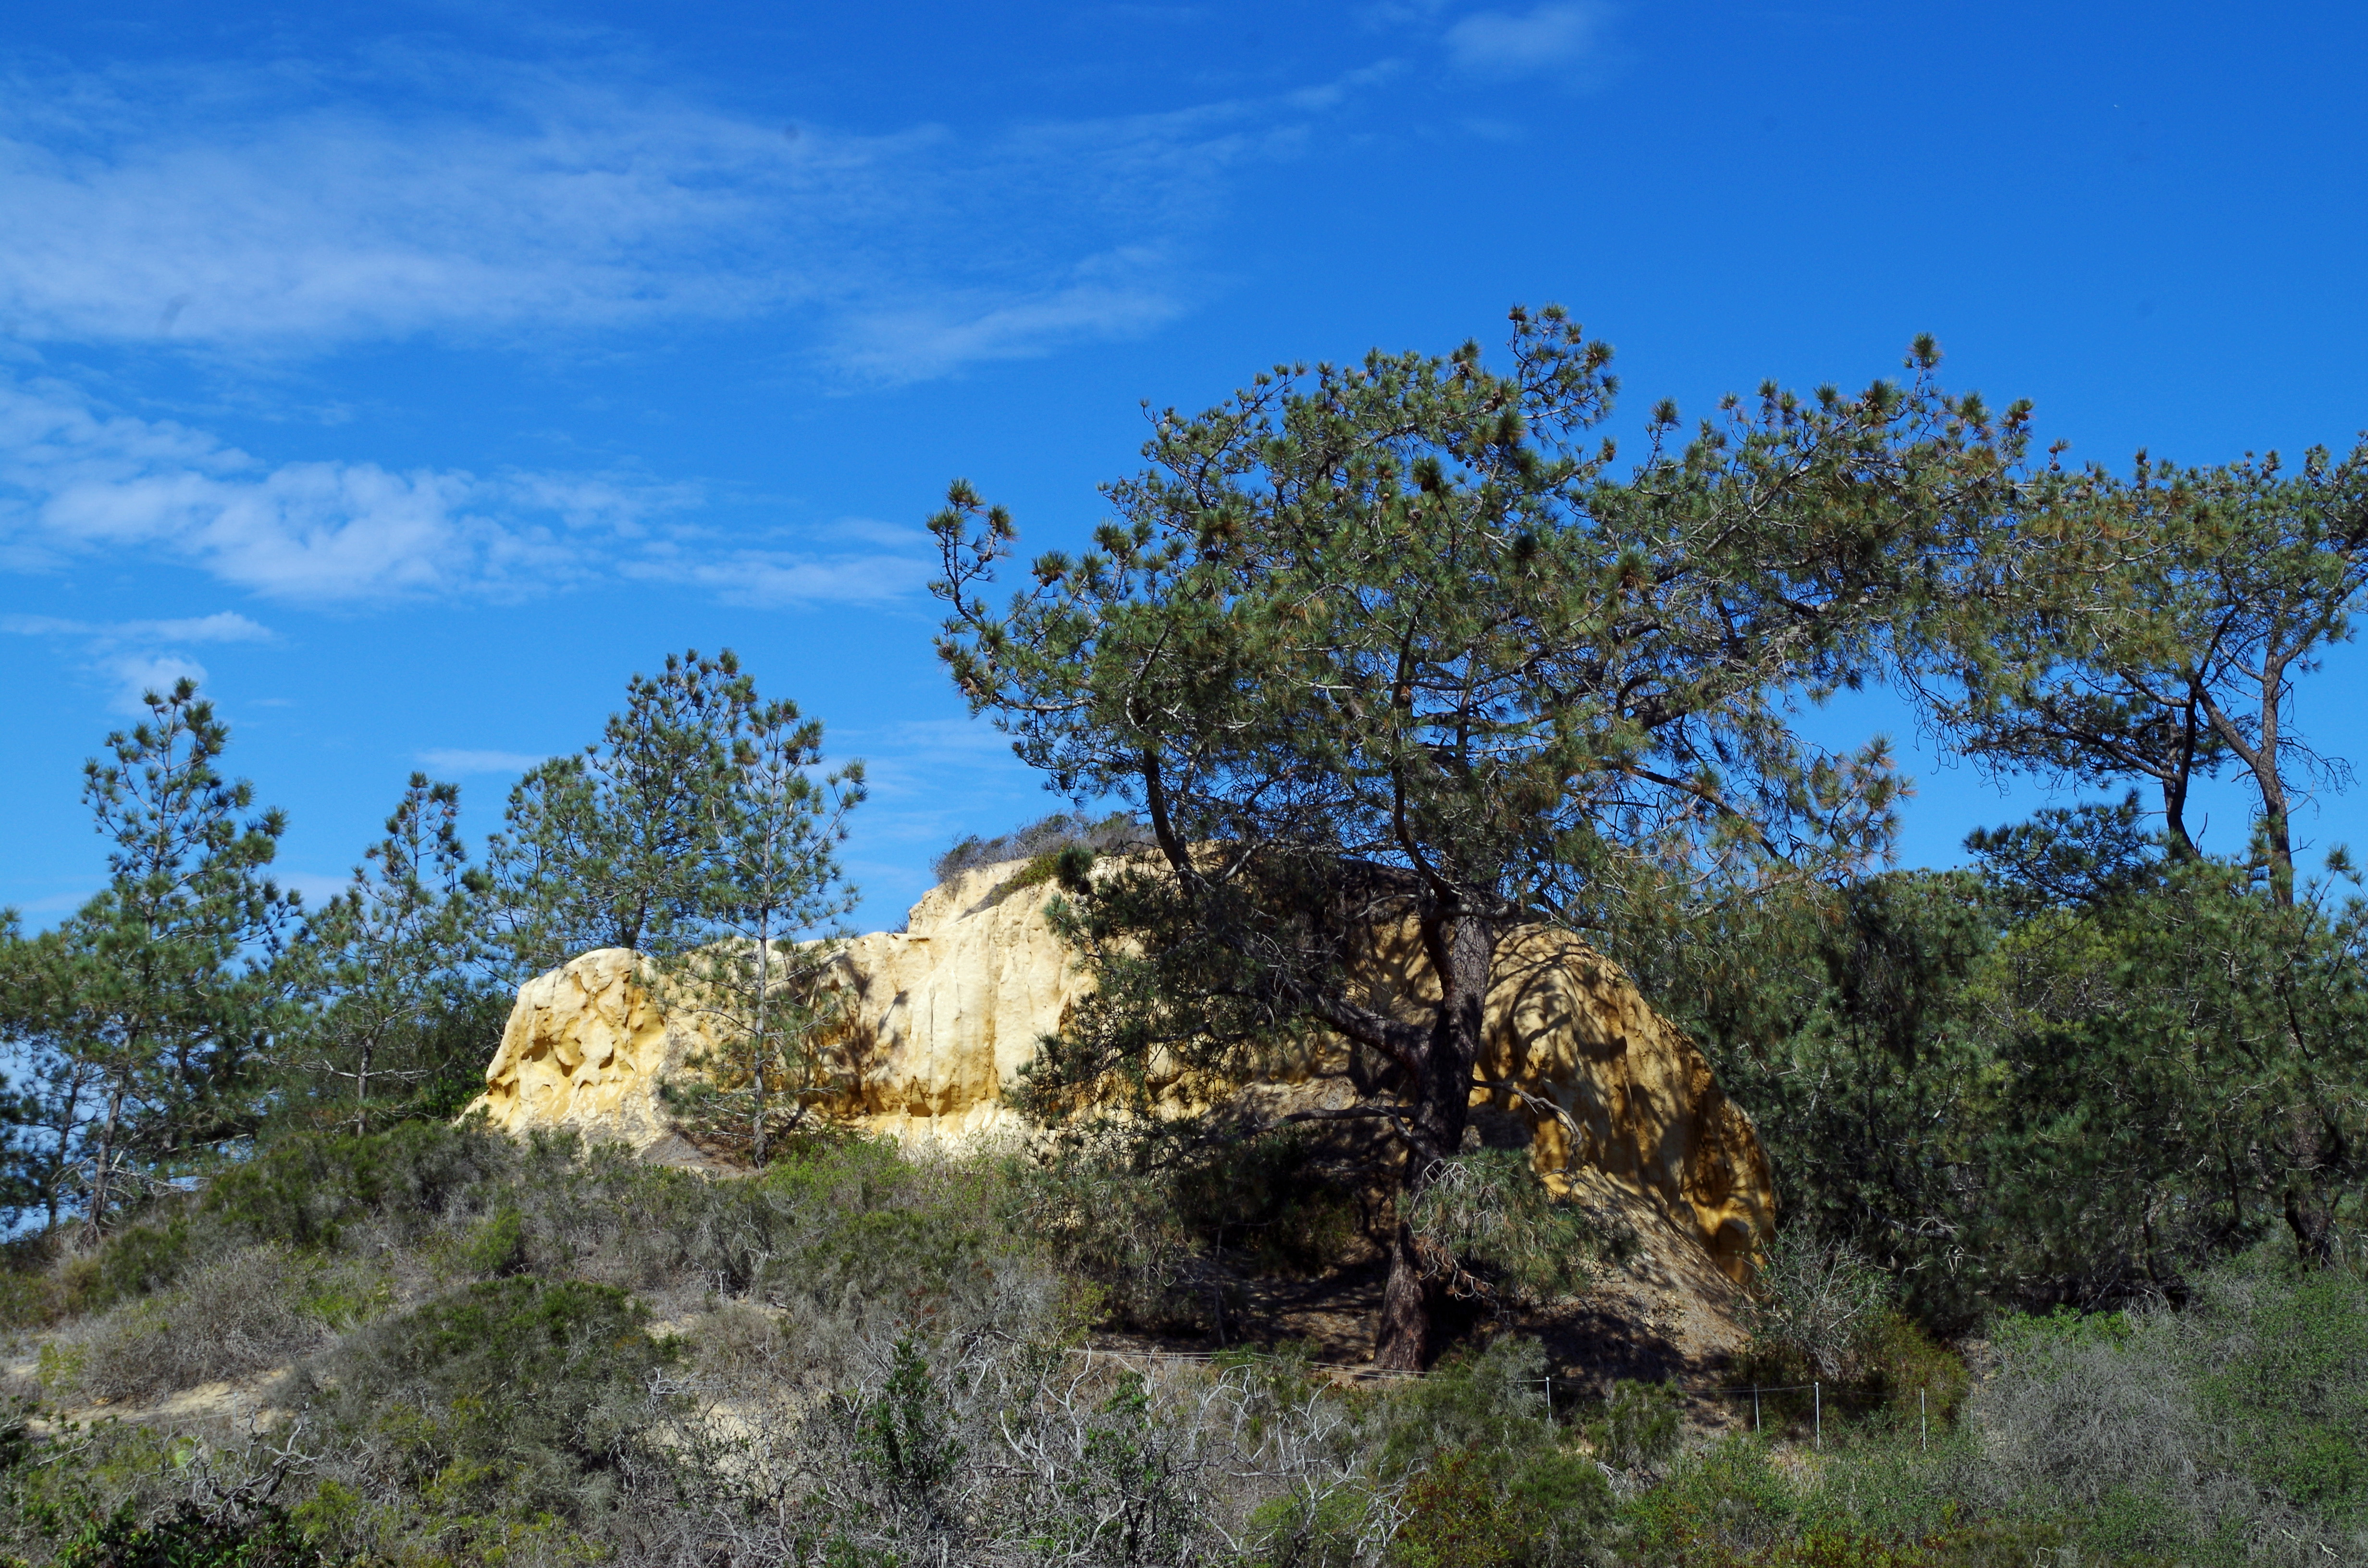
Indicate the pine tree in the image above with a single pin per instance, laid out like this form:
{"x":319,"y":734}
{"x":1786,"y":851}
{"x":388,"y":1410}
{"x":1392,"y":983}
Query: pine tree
{"x":2154,"y":628}
{"x":699,"y":834}
{"x":385,"y":964}
{"x":610,"y":847}
{"x":773,"y":878}
{"x":1388,"y":643}
{"x":146,"y":1008}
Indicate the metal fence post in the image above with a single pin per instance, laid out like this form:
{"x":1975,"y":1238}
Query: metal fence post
{"x":1755,"y":1407}
{"x":1817,"y":1398}
{"x":1923,"y":1423}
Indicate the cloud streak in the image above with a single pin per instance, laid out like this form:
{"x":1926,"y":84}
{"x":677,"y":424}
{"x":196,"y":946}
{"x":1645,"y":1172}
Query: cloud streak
{"x":201,"y":209}
{"x":449,"y":760}
{"x":141,"y":656}
{"x":224,"y":626}
{"x":1552,"y":39}
{"x":77,"y":481}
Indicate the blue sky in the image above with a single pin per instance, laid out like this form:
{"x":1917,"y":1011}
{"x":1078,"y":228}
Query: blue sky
{"x":417,"y":372}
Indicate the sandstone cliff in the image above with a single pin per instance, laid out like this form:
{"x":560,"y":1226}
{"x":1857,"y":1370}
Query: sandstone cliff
{"x":1609,"y":1097}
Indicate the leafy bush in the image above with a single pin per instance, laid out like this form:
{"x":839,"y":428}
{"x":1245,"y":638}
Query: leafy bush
{"x":515,"y":1392}
{"x":1040,"y":843}
{"x":1909,"y":1372}
{"x":2226,"y":1432}
{"x":2279,"y":1364}
{"x":303,"y":1190}
{"x":1489,"y":1508}
{"x":1488,"y":1222}
{"x":1494,"y":1397}
{"x":1281,"y":1203}
{"x":496,"y":1244}
{"x":1728,"y":1494}
{"x":246,"y":1310}
{"x":882,"y":1366}
{"x":1117,"y":1228}
{"x":1488,"y":1478}
{"x":1639,"y":1427}
{"x":131,"y":1263}
{"x":190,"y":1537}
{"x":1816,"y":1305}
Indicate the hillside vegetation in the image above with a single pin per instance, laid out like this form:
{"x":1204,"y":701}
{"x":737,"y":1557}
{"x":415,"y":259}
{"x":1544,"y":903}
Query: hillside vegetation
{"x":2071,"y":1144}
{"x":441,"y":1347}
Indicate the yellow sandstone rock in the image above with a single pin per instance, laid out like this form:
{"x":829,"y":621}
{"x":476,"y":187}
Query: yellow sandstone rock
{"x":1610,"y":1097}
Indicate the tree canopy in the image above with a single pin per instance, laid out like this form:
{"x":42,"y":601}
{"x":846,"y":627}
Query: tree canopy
{"x":144,"y":1012}
{"x":1394,"y":641}
{"x":2153,"y":627}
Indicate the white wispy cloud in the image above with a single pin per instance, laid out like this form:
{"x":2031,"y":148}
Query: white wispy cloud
{"x":75,"y":479}
{"x":223,"y":626}
{"x":848,"y":560}
{"x":251,"y":214}
{"x":137,"y":675}
{"x":765,"y":579}
{"x":137,"y":657}
{"x":198,"y":208}
{"x":449,"y":760}
{"x":1552,"y":39}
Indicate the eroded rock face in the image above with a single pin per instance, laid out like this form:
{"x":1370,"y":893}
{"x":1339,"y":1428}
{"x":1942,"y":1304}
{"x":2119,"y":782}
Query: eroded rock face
{"x":942,"y":1014}
{"x":1609,"y":1097}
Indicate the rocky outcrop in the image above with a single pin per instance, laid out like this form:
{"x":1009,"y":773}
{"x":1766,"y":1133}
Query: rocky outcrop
{"x":1609,"y":1097}
{"x":941,"y":1015}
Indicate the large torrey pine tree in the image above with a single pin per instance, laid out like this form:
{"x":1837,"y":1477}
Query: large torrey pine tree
{"x":1389,"y":641}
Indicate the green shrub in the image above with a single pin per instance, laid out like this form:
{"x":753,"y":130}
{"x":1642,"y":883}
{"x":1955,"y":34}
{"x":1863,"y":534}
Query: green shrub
{"x":41,"y":1280}
{"x":57,"y":1486}
{"x":1728,"y":1493}
{"x":2225,"y":1432}
{"x":1488,"y":1212}
{"x":1903,"y":1365}
{"x":2280,"y":1360}
{"x":1639,"y":1427}
{"x":190,"y":1537}
{"x":1042,"y":840}
{"x":1152,"y":1233}
{"x":1325,"y":1528}
{"x":242,"y":1311}
{"x":1497,"y":1510}
{"x":304,"y":1190}
{"x":1491,"y":1398}
{"x":516,"y":1392}
{"x":1821,"y":1314}
{"x":1113,"y":1227}
{"x":31,"y":1296}
{"x":1276,"y":1200}
{"x":134,"y":1261}
{"x":496,"y":1245}
{"x":1816,"y":1306}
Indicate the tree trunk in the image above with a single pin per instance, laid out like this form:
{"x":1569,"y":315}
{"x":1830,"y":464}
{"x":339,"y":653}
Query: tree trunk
{"x":2277,"y":830}
{"x":2175,"y":787}
{"x":1463,"y":950}
{"x":362,"y":1089}
{"x":104,"y":1167}
{"x":2314,"y":1241}
{"x":764,"y":987}
{"x":2261,"y":760}
{"x":1402,"y":1339}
